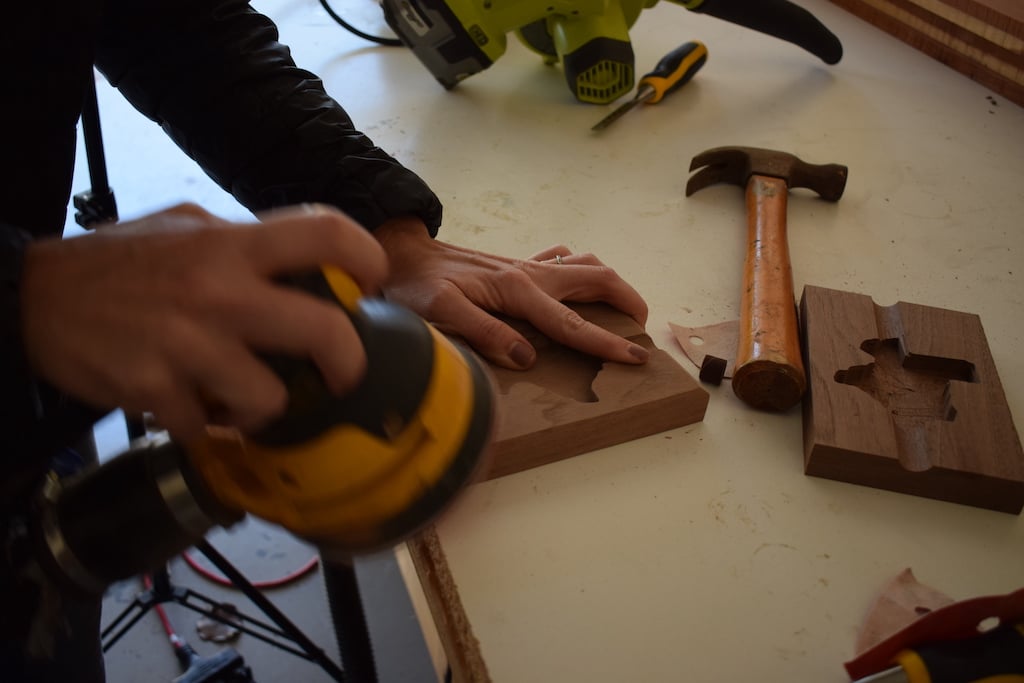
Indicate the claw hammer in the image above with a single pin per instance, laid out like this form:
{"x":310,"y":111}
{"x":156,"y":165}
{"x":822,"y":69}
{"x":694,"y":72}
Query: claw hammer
{"x":769,"y":372}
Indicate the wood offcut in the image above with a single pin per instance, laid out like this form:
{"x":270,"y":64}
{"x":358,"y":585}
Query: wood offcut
{"x":570,"y":403}
{"x":907,"y":398}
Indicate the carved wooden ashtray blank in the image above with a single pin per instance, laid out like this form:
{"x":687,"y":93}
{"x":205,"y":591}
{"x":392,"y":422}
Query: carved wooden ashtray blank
{"x":570,"y":403}
{"x":907,"y":398}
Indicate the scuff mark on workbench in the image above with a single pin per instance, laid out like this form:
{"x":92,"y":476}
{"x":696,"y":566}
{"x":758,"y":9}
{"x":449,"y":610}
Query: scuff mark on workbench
{"x":744,"y":516}
{"x":786,"y":653}
{"x":500,"y":205}
{"x":773,"y":545}
{"x":665,"y":208}
{"x":919,"y":201}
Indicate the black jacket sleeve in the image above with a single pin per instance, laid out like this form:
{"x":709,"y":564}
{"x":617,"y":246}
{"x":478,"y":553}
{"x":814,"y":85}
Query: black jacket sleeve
{"x":19,"y":407}
{"x":36,"y":421}
{"x":213,"y":74}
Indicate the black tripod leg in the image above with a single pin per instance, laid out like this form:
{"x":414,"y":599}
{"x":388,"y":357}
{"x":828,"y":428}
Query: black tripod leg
{"x":349,"y":618}
{"x":243,"y":584}
{"x":162,"y":591}
{"x":97,"y":205}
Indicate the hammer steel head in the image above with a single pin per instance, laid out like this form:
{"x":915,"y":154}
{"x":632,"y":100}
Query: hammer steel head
{"x":736,"y":165}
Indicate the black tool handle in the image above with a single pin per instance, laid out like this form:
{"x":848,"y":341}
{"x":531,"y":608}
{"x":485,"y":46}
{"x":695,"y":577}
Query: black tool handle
{"x":400,"y":360}
{"x":779,"y":18}
{"x":675,"y":70}
{"x":995,"y":655}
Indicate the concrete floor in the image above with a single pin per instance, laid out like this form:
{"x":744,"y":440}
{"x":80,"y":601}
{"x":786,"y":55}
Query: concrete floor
{"x":147,"y":173}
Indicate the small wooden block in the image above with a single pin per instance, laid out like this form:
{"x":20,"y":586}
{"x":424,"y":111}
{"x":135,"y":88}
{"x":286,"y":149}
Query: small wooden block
{"x":907,"y":398}
{"x":712,"y":370}
{"x":719,"y":340}
{"x":570,"y":403}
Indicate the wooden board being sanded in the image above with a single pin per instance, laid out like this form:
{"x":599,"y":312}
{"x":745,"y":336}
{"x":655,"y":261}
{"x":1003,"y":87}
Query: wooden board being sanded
{"x":907,"y":398}
{"x":570,"y":403}
{"x":982,"y":39}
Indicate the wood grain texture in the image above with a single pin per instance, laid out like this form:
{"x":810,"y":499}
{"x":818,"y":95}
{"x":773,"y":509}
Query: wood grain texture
{"x":907,"y":398}
{"x":769,"y":372}
{"x":570,"y":403}
{"x":983,"y":39}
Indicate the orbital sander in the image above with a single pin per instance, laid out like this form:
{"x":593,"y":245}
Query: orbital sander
{"x":349,"y":474}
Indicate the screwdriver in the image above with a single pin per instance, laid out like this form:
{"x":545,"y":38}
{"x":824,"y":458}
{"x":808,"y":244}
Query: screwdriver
{"x":997,"y":655}
{"x":672,"y":72}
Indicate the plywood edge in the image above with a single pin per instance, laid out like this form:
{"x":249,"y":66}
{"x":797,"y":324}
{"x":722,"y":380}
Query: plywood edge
{"x":442,"y":595}
{"x":988,"y":54}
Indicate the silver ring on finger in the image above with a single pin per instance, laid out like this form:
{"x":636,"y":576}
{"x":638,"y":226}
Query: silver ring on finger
{"x":558,"y":259}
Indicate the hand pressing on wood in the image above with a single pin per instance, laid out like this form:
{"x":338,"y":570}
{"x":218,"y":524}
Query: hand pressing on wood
{"x":462,"y":291}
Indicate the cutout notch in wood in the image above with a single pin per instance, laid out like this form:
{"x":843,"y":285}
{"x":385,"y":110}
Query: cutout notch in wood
{"x":914,"y":390}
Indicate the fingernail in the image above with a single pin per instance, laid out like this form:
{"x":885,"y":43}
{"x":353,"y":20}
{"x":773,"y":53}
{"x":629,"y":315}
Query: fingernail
{"x":521,"y":354}
{"x":639,"y":352}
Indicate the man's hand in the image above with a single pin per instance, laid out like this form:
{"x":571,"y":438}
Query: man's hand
{"x":166,"y":314}
{"x":458,"y":289}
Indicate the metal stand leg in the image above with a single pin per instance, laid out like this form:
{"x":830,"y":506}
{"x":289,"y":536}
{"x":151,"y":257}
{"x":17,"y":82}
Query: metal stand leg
{"x":285,"y":635}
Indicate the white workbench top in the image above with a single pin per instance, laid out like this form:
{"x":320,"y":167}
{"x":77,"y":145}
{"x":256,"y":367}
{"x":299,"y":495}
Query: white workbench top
{"x":704,"y":553}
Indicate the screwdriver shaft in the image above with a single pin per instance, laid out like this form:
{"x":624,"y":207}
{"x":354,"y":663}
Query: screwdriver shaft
{"x":645,"y":93}
{"x":673,"y":71}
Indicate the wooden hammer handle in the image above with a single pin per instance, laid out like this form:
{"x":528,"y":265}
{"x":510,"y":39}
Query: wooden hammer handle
{"x":769,"y":370}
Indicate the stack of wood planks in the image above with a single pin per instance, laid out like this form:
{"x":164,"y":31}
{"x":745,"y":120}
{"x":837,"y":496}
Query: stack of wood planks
{"x":983,"y":39}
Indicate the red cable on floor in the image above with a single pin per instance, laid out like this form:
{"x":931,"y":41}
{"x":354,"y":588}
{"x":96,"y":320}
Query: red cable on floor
{"x":270,"y":583}
{"x":159,"y":609}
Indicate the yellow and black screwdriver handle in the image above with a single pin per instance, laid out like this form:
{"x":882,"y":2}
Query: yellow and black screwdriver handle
{"x":363,"y":471}
{"x":672,"y":71}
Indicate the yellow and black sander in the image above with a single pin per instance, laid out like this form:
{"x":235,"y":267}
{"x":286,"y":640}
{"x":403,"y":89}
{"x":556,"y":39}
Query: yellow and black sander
{"x":350,"y":474}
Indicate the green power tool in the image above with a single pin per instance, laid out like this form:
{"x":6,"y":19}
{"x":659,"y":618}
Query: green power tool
{"x":458,"y":38}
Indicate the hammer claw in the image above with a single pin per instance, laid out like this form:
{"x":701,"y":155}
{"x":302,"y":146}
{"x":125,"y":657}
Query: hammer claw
{"x":709,"y":175}
{"x":737,"y":164}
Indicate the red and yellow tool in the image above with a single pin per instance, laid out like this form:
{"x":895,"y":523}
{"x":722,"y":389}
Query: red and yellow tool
{"x":973,"y":641}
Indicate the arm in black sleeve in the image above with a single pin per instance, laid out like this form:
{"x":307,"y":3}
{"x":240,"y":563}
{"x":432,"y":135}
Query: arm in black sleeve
{"x":213,"y":74}
{"x":36,"y":421}
{"x":19,"y":404}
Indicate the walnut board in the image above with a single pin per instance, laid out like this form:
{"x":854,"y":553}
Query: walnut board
{"x":570,"y":403}
{"x":907,"y":398}
{"x":982,"y":39}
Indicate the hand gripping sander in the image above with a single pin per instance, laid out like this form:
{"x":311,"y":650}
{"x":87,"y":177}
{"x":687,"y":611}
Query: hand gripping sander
{"x":349,"y":474}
